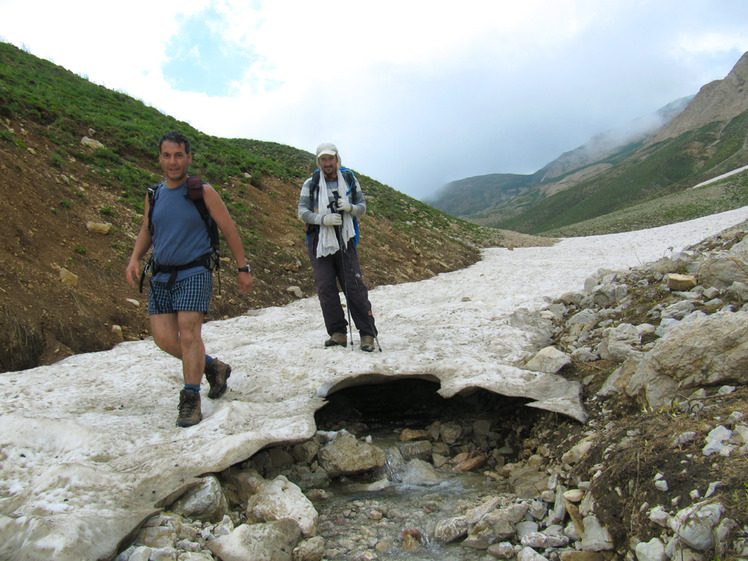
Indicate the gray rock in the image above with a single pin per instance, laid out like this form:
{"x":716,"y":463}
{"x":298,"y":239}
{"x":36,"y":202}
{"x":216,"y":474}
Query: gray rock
{"x":679,"y":310}
{"x":659,"y":516}
{"x":684,"y":438}
{"x":306,"y":451}
{"x":280,"y":499}
{"x":503,"y":550}
{"x":695,"y":525}
{"x":738,"y":290}
{"x":587,"y":316}
{"x":206,"y":501}
{"x":608,"y":294}
{"x":312,"y":549}
{"x":711,"y":293}
{"x":721,"y":271}
{"x":740,"y":249}
{"x":272,"y":541}
{"x":450,"y":433}
{"x":653,"y":550}
{"x":701,"y":350}
{"x":346,"y":455}
{"x":417,"y":449}
{"x":418,"y":472}
{"x":715,"y":441}
{"x":585,"y":354}
{"x":549,"y":360}
{"x":596,"y":536}
{"x":451,"y":529}
{"x":529,"y":554}
{"x":618,"y":342}
{"x":619,"y":379}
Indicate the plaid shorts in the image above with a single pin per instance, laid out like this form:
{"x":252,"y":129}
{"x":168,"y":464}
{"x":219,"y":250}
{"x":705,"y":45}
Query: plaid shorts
{"x":190,"y":294}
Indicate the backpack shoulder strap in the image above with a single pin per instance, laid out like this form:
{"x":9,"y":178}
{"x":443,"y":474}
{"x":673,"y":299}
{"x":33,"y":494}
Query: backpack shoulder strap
{"x":195,"y":187}
{"x":314,"y":186}
{"x":196,"y":194}
{"x":350,"y":179}
{"x":152,"y":194}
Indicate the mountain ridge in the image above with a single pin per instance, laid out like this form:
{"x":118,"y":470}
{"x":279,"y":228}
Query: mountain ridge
{"x":683,"y":146}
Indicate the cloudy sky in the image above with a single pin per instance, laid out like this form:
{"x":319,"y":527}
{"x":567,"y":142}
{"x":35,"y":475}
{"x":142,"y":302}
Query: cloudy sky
{"x":415,"y":93}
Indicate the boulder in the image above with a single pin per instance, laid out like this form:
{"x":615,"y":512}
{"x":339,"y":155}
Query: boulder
{"x":205,"y":501}
{"x":273,"y":541}
{"x":721,"y":271}
{"x":549,"y":360}
{"x":707,"y":351}
{"x":279,"y":499}
{"x":345,"y":455}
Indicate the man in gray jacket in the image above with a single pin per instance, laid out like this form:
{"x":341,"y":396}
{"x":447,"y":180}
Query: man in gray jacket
{"x":330,"y":203}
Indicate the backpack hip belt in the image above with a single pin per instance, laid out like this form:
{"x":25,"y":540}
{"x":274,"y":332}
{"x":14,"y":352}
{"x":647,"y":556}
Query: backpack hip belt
{"x":208,"y":261}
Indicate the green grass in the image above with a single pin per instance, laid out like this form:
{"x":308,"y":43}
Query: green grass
{"x":727,"y":194}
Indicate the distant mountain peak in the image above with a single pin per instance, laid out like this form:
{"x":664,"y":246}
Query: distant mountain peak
{"x":606,"y":143}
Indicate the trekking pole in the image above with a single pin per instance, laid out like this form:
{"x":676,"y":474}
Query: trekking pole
{"x":358,"y":286}
{"x":371,"y":318}
{"x":360,"y":290}
{"x":339,"y":232}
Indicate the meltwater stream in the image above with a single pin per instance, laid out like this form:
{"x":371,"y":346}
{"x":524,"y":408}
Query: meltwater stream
{"x":392,"y":512}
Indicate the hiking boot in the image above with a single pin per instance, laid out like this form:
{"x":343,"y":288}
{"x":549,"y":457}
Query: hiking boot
{"x":217,"y":374}
{"x":189,"y":409}
{"x":367,"y":343}
{"x":337,"y":339}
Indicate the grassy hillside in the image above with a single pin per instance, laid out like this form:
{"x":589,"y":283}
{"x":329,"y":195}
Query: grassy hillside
{"x":720,"y":196}
{"x":57,"y":184}
{"x":471,"y":196}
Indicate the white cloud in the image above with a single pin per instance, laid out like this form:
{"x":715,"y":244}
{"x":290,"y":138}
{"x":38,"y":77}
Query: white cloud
{"x":415,"y":93}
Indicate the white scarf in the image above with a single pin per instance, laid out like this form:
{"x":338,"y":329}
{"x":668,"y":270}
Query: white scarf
{"x":328,"y":240}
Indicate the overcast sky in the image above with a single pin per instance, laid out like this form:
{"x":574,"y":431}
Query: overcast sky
{"x":414,"y":93}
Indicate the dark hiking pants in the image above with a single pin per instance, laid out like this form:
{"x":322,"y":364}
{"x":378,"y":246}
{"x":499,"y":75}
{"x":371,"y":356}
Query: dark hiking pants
{"x":346,"y":270}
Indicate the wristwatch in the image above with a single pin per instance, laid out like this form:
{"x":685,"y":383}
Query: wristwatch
{"x":244,"y":269}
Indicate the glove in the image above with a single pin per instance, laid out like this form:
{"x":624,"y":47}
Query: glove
{"x":344,"y":205}
{"x":332,"y":219}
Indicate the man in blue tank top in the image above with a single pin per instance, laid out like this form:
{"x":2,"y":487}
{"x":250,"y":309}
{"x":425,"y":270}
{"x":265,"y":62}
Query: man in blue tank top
{"x":182,"y":284}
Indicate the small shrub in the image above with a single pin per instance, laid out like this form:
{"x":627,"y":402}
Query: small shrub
{"x":80,"y":250}
{"x":56,"y":161}
{"x":255,"y":179}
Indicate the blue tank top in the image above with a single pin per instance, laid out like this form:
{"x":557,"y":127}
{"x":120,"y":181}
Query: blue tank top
{"x":180,"y":235}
